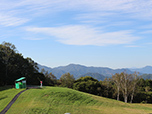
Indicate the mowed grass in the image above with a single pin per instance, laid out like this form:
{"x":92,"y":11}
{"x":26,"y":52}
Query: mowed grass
{"x":6,"y":95}
{"x":57,"y":100}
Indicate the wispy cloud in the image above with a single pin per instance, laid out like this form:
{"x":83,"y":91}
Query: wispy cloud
{"x":85,"y":35}
{"x":7,"y":20}
{"x":33,"y":38}
{"x":137,"y":9}
{"x":95,"y":9}
{"x":146,"y":26}
{"x":90,"y":13}
{"x":18,"y":12}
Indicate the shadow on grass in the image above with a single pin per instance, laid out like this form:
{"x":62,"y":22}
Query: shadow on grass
{"x":3,"y":97}
{"x":5,"y":87}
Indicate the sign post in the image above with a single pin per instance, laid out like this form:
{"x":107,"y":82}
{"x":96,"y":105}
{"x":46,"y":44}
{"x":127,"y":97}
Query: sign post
{"x":41,"y":84}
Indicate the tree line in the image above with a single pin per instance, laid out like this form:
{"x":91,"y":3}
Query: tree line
{"x":13,"y":66}
{"x":121,"y":86}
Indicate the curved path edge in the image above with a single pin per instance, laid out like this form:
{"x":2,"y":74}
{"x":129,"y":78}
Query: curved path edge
{"x":11,"y":102}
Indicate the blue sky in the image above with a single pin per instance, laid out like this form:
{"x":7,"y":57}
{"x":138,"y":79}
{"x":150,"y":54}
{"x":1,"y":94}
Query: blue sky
{"x":103,"y":33}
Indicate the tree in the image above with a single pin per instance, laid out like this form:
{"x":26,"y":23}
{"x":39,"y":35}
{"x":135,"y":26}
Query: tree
{"x":108,"y":88}
{"x":117,"y":80}
{"x":13,"y":66}
{"x":106,"y":83}
{"x":51,"y":79}
{"x":126,"y":80}
{"x":135,"y":80}
{"x":67,"y":80}
{"x":147,"y":89}
{"x":87,"y":84}
{"x":2,"y":71}
{"x":7,"y":51}
{"x":127,"y":84}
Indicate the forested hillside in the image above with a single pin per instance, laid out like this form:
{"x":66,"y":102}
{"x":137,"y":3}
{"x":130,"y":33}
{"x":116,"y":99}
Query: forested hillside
{"x":13,"y":66}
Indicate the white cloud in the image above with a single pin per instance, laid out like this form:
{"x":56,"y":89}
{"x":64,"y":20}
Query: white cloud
{"x":33,"y":38}
{"x":138,"y":9}
{"x":7,"y":20}
{"x":97,"y":8}
{"x":89,"y":10}
{"x":85,"y":35}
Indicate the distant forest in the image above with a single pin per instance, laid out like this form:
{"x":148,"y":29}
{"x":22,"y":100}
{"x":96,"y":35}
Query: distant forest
{"x":121,"y":86}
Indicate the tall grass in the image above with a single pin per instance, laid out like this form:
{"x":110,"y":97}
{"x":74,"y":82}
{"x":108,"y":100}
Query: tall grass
{"x":56,"y":100}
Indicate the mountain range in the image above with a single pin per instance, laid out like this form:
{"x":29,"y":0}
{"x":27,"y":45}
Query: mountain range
{"x":144,"y":70}
{"x":97,"y":72}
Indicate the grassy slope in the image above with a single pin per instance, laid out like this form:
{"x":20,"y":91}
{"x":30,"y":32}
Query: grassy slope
{"x":6,"y":95}
{"x":55,"y":100}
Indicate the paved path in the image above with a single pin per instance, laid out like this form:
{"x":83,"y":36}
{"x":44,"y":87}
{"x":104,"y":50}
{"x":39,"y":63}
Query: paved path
{"x":10,"y":104}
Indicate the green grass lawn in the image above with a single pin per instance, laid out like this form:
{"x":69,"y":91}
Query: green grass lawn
{"x":6,"y":95}
{"x":57,"y":100}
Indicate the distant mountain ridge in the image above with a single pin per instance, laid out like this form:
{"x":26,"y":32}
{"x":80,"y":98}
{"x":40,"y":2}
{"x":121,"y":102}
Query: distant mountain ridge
{"x":79,"y":70}
{"x":96,"y":72}
{"x":144,"y":70}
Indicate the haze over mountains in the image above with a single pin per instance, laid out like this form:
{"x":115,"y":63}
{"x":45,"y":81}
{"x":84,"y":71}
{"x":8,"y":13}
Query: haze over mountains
{"x":144,"y":70}
{"x":97,"y":72}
